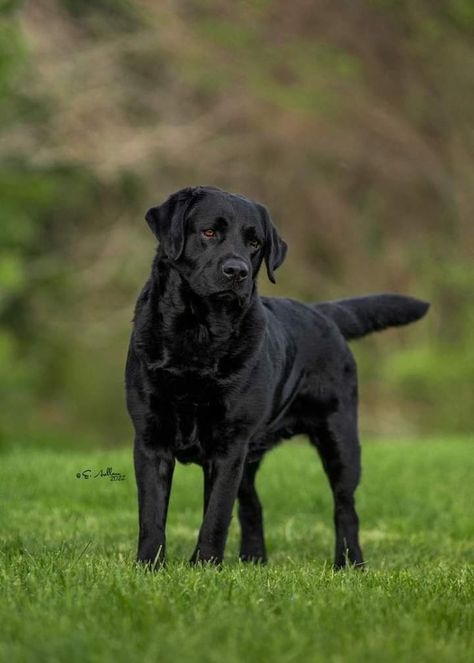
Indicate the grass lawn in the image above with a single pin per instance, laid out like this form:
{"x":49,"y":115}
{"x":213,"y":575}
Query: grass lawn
{"x":70,"y":591}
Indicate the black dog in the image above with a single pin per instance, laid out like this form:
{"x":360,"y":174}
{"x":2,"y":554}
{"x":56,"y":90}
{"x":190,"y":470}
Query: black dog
{"x":217,"y":375}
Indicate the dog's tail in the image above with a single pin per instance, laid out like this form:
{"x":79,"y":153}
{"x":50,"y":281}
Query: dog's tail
{"x":360,"y":316}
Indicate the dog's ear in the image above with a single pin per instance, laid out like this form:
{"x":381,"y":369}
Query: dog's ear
{"x":167,"y":222}
{"x":275,"y":248}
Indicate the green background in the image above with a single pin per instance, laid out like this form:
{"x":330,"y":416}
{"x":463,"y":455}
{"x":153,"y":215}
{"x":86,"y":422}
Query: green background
{"x":351,"y":121}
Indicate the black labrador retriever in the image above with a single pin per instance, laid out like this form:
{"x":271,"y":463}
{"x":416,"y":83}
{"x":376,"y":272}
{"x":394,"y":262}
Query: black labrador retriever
{"x":217,"y":375}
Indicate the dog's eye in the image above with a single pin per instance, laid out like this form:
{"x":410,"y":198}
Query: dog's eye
{"x":208,"y":233}
{"x":254,"y":243}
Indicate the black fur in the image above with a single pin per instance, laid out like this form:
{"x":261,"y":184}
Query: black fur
{"x":217,"y":375}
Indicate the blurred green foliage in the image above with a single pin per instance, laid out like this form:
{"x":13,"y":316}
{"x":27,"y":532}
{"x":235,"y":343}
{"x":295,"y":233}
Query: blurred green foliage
{"x":352,"y":122}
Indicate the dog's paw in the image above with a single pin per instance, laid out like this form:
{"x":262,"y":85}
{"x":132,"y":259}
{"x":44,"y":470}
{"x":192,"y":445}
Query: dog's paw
{"x":253,"y":552}
{"x":150,"y":560}
{"x":150,"y":564}
{"x":202,"y":557}
{"x":347,"y":564}
{"x":253,"y":558}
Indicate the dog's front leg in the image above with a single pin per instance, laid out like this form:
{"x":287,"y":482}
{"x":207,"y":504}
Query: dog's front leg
{"x":226,"y":476}
{"x":154,"y":473}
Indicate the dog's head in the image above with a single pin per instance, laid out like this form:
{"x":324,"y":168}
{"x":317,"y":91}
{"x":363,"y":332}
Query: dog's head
{"x":217,"y":240}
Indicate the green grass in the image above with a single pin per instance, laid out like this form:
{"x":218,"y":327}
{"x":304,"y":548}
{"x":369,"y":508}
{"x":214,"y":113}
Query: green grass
{"x":70,"y":590}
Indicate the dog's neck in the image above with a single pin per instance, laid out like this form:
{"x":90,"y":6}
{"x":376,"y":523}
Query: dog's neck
{"x":190,"y":331}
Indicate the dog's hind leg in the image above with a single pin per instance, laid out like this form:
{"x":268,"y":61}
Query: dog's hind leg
{"x":337,"y":442}
{"x":252,"y":543}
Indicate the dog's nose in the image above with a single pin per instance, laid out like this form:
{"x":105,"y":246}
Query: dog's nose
{"x":236,"y":269}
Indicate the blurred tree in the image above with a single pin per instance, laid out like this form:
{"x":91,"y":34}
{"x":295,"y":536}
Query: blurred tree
{"x":351,"y":121}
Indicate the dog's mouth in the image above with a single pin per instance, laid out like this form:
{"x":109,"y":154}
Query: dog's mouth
{"x":231,"y":295}
{"x":234,"y":288}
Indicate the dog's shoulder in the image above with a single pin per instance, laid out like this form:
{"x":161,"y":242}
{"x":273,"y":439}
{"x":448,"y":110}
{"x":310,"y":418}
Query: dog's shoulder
{"x":141,"y":305}
{"x":143,"y":340}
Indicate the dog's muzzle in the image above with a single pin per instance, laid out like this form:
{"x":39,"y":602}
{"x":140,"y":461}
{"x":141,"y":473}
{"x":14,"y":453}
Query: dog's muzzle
{"x":235,"y":269}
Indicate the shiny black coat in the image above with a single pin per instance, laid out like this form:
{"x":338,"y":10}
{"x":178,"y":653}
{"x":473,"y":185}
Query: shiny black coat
{"x":217,"y":375}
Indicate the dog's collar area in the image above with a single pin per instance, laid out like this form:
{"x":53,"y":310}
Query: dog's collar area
{"x":185,"y":401}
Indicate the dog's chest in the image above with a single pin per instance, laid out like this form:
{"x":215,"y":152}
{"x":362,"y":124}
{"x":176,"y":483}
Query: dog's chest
{"x":188,"y":410}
